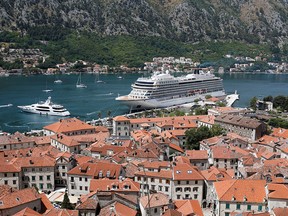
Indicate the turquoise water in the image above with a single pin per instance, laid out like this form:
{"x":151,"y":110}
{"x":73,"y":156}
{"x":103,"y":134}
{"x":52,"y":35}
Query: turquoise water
{"x":99,"y":97}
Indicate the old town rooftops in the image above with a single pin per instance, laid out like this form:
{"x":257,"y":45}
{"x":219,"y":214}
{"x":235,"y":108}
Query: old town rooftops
{"x":69,"y":125}
{"x":98,"y":169}
{"x":241,"y":190}
{"x":17,"y":198}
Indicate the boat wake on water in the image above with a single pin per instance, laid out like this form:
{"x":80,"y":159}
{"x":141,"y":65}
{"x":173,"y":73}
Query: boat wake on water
{"x":6,"y":105}
{"x":91,"y":113}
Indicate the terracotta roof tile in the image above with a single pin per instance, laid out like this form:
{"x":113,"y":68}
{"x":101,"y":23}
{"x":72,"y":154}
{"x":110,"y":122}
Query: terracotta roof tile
{"x":165,"y":174}
{"x":117,"y":209}
{"x":186,"y":172}
{"x":188,"y":207}
{"x":126,"y":185}
{"x":68,"y":125}
{"x":197,"y":154}
{"x":172,"y":212}
{"x":27,"y":212}
{"x":280,"y":211}
{"x":45,"y":201}
{"x":251,"y":190}
{"x":216,"y":174}
{"x":280,"y":132}
{"x":17,"y":198}
{"x":156,"y":199}
{"x":95,"y":169}
{"x":61,"y":212}
{"x":278,"y":191}
{"x":90,"y":203}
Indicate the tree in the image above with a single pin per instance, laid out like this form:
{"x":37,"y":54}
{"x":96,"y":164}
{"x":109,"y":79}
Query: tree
{"x":66,"y":203}
{"x":109,"y":113}
{"x":253,"y":103}
{"x":268,"y":98}
{"x":280,"y":101}
{"x":195,"y":135}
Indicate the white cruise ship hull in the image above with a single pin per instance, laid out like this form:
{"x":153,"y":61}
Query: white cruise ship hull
{"x":32,"y":110}
{"x":142,"y":104}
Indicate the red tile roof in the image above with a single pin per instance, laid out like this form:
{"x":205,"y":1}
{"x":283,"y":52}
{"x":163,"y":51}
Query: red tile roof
{"x":188,"y":207}
{"x":278,"y":191}
{"x":280,"y":211}
{"x":20,"y":197}
{"x":127,"y":185}
{"x":61,"y":212}
{"x":186,"y":172}
{"x":68,"y":125}
{"x":94,"y":169}
{"x":239,"y":190}
{"x":27,"y":212}
{"x":117,"y":209}
{"x":216,"y":174}
{"x":155,"y":200}
{"x":197,"y":154}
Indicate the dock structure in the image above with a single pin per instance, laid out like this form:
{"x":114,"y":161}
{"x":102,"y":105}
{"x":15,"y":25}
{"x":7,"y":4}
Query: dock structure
{"x":230,"y":99}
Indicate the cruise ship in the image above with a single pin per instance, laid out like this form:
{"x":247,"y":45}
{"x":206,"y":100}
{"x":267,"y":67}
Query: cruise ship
{"x":164,"y":90}
{"x":46,"y":108}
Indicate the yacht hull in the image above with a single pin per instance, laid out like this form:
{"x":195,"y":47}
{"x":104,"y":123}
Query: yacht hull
{"x":30,"y":110}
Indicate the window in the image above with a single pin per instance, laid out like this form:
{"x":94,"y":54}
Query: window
{"x":195,"y":189}
{"x":48,"y":177}
{"x":166,"y":189}
{"x":195,"y":196}
{"x":5,"y":174}
{"x":187,"y":182}
{"x":160,"y":188}
{"x":249,"y":207}
{"x":259,"y":208}
{"x":152,"y":179}
{"x":196,"y":182}
{"x":178,"y":196}
{"x":49,"y":186}
{"x":227,"y":213}
{"x":238,"y":206}
{"x":33,"y":178}
{"x":14,"y":182}
{"x":41,"y":178}
{"x":80,"y":187}
{"x":72,"y":186}
{"x":41,"y":186}
{"x":6,"y":182}
{"x":63,"y":167}
{"x":86,"y":179}
{"x":80,"y":179}
{"x":72,"y":179}
{"x":86,"y":188}
{"x":160,"y":180}
{"x":155,"y":210}
{"x":167,"y":181}
{"x":227,"y":206}
{"x":63,"y":174}
{"x":14,"y":174}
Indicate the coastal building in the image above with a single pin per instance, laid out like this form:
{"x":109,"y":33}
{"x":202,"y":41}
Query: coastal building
{"x":69,"y":127}
{"x":12,"y":202}
{"x":244,"y":126}
{"x":16,"y":141}
{"x":37,"y":172}
{"x":198,"y":158}
{"x":10,"y":174}
{"x":155,"y":204}
{"x":240,"y":195}
{"x":80,"y":176}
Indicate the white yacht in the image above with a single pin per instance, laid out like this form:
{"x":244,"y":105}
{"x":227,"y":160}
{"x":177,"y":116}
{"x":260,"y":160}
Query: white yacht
{"x":58,"y":81}
{"x":46,"y":108}
{"x":164,"y":90}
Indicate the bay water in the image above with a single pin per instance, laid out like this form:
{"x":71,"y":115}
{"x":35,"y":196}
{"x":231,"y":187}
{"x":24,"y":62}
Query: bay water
{"x":98,"y":97}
